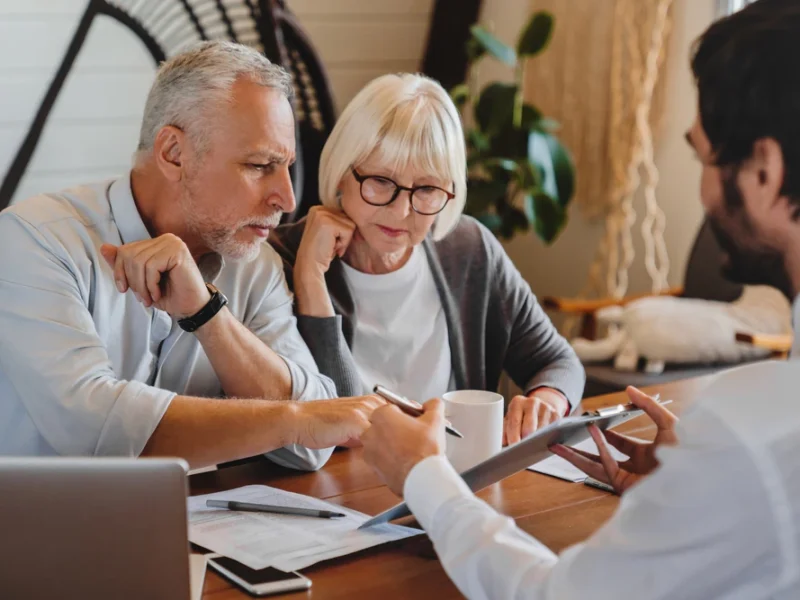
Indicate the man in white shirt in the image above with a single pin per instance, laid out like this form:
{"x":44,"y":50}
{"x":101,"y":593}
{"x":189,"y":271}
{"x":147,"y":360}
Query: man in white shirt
{"x":715,"y":511}
{"x":117,"y":339}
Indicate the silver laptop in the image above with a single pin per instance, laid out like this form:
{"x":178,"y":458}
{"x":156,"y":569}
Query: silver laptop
{"x":93,"y":528}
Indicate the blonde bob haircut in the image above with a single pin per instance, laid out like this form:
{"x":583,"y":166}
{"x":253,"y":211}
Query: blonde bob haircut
{"x":403,"y":120}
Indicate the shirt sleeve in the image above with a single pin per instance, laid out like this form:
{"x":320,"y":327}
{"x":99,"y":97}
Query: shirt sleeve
{"x":701,"y":526}
{"x":328,"y":346}
{"x":51,"y":355}
{"x":275,"y":324}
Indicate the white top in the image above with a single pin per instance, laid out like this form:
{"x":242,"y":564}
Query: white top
{"x":718,"y":519}
{"x":400,"y":337}
{"x":87,"y":371}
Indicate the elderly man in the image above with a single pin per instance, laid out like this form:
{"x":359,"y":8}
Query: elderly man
{"x":717,"y":513}
{"x":129,"y":308}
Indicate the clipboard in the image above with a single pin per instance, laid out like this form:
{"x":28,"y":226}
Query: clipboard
{"x":568,"y":431}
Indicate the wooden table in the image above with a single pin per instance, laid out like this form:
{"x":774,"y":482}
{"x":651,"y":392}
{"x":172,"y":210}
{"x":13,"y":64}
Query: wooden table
{"x":556,"y":512}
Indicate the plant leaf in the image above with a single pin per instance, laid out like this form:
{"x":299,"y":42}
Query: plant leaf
{"x":531,"y":117}
{"x":493,"y":46}
{"x":484,"y":193}
{"x":475,"y":50}
{"x":477,"y":140}
{"x":536,"y":35}
{"x":546,"y":216}
{"x":556,"y":163}
{"x":495,"y":108}
{"x":492,"y":221}
{"x":513,"y":219}
{"x":504,"y":164}
{"x":530,"y":176}
{"x":564,"y":169}
{"x":460,"y":94}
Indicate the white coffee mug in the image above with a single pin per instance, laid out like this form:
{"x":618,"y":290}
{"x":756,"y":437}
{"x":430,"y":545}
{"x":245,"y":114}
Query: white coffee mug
{"x":478,"y":415}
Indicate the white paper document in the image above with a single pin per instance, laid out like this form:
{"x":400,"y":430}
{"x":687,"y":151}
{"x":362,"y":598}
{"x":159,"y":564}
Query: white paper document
{"x":197,"y":575}
{"x":556,"y":466}
{"x":284,"y":542}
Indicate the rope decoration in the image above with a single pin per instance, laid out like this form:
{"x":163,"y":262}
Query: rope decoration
{"x":638,"y":51}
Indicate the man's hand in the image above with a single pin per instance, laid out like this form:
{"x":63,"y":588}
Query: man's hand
{"x":396,"y":442}
{"x":642,"y":459}
{"x":160,"y":272}
{"x":327,"y":423}
{"x":526,"y":414}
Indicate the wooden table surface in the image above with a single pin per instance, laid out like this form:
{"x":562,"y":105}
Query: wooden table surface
{"x":556,"y":512}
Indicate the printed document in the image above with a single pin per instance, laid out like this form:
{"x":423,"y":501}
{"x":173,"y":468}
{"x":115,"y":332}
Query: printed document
{"x":285,"y":542}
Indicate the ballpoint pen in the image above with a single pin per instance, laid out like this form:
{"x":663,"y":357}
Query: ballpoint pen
{"x":410,"y":408}
{"x":610,"y":411}
{"x":267,"y":508}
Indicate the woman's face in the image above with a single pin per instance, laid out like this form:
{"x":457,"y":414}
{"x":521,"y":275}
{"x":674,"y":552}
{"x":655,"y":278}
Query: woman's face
{"x":393,"y":228}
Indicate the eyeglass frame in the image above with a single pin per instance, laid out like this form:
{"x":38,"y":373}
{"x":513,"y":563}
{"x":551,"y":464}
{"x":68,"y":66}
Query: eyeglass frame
{"x":399,"y":188}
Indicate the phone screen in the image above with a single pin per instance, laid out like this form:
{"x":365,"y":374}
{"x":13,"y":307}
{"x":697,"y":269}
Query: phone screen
{"x":251,"y":576}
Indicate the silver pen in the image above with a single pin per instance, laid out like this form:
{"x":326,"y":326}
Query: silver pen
{"x":600,"y":485}
{"x":610,"y":411}
{"x":410,"y":408}
{"x":268,"y":508}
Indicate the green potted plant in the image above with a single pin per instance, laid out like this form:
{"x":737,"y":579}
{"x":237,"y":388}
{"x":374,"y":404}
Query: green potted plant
{"x":520,"y":176}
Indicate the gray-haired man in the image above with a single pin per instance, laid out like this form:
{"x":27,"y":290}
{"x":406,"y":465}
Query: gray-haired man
{"x":114,"y":343}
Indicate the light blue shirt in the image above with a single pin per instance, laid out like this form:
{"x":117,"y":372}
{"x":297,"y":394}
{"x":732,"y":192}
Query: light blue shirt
{"x":87,"y":371}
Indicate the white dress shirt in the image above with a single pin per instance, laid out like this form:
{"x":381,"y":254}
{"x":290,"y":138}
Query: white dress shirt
{"x":400,"y":338}
{"x":717,"y":519}
{"x":87,"y":371}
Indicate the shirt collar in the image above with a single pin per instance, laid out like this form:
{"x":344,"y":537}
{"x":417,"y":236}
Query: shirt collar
{"x":132,"y":228}
{"x":126,"y":215}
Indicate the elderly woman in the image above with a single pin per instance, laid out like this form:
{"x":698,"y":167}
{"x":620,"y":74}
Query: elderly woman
{"x":394,"y":286}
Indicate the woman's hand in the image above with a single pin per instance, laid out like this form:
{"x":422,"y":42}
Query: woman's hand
{"x":328,"y":234}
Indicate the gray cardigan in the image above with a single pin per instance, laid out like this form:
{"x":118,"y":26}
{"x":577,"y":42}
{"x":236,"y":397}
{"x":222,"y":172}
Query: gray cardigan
{"x":494,"y":322}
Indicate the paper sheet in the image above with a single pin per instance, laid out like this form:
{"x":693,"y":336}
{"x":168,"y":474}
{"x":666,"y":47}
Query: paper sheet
{"x":558,"y":467}
{"x":203,"y":470}
{"x":285,"y":542}
{"x":197,"y":575}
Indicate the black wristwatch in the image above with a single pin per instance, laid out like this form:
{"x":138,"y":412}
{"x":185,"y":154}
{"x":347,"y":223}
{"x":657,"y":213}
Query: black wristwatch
{"x":205,"y":314}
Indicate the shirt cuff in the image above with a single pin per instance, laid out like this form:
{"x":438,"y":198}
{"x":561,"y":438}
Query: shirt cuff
{"x":569,"y":409}
{"x":430,"y":485}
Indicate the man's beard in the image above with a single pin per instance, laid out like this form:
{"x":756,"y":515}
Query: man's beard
{"x":747,"y":264}
{"x":222,"y":240}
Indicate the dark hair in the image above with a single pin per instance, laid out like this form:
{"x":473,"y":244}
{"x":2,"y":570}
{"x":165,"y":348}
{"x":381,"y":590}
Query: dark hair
{"x":748,"y":82}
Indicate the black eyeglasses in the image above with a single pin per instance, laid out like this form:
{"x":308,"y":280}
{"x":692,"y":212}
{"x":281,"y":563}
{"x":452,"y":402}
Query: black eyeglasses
{"x":382,"y":191}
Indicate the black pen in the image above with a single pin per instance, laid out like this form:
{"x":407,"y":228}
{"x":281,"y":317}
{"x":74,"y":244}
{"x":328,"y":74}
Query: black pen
{"x":279,"y":510}
{"x":410,"y":408}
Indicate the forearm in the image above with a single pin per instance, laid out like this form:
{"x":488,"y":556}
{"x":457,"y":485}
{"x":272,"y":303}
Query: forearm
{"x":245,"y":365}
{"x":311,"y":294}
{"x":207,"y":431}
{"x":326,"y":342}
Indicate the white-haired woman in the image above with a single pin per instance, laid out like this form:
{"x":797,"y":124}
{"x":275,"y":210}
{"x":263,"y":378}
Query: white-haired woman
{"x":394,"y":286}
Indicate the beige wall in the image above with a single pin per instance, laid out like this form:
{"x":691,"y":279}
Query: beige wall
{"x":359,"y":40}
{"x":562,"y":268}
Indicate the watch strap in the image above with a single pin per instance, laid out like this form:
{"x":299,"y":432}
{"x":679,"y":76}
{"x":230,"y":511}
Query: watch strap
{"x":205,"y":314}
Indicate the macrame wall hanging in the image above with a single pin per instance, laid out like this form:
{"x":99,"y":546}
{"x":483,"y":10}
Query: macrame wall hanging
{"x":602,"y":79}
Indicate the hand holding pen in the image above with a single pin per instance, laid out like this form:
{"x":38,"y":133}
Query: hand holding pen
{"x":410,"y":407}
